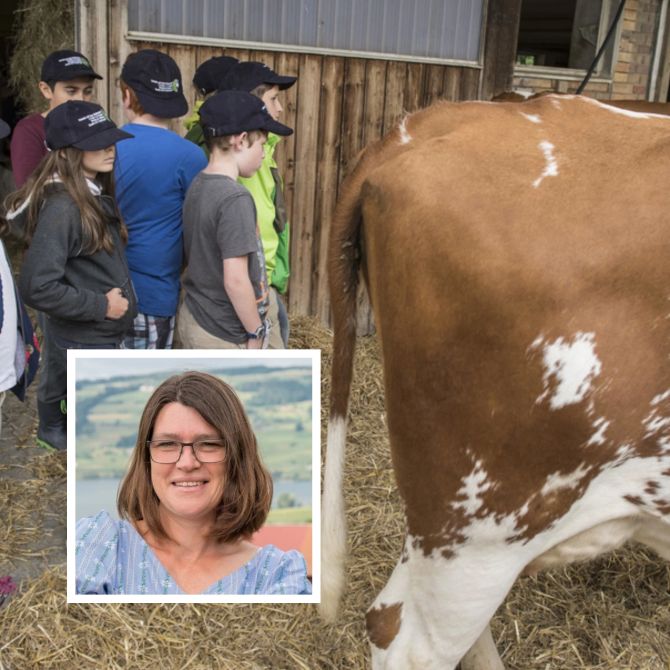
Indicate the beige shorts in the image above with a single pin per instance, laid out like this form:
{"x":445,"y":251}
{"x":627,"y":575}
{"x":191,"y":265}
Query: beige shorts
{"x":191,"y":335}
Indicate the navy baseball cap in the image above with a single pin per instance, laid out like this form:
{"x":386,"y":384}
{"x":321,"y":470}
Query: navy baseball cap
{"x":246,"y":76}
{"x":211,"y":73}
{"x":65,"y":65}
{"x":156,"y":80}
{"x":83,"y":125}
{"x":4,"y":129}
{"x":233,"y":112}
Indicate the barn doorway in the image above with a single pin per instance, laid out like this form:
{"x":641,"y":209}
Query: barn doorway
{"x":10,"y":109}
{"x":562,"y":33}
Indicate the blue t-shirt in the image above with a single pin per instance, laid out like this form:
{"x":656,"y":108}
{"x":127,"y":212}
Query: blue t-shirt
{"x":153,"y":172}
{"x":113,"y":558}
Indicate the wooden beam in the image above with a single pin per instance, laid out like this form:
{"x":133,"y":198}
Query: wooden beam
{"x":92,"y":39}
{"x":502,"y":35}
{"x":119,"y":49}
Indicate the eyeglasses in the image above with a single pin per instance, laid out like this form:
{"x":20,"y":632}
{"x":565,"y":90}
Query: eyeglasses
{"x":169,"y":451}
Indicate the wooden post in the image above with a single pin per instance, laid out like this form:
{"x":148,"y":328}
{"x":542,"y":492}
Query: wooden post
{"x":330,"y":119}
{"x":306,"y":150}
{"x":502,"y":35}
{"x":119,"y":48}
{"x":92,"y":39}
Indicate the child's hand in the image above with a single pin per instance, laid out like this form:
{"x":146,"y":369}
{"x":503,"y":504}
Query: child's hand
{"x":117,"y":305}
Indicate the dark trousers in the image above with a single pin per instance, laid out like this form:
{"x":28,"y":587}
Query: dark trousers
{"x":283,"y":320}
{"x":53,"y":362}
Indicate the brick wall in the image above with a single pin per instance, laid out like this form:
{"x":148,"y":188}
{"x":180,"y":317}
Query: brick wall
{"x":632,"y":62}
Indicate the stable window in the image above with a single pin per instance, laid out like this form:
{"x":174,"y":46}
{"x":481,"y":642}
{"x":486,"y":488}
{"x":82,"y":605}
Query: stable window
{"x":411,"y":29}
{"x":564,"y":34}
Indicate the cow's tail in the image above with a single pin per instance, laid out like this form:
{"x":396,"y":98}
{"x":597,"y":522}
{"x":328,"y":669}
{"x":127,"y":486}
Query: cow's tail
{"x":344,"y":259}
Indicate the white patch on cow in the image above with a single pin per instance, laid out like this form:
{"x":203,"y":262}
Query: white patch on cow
{"x":537,"y":342}
{"x":405,"y":137}
{"x":533,"y":118}
{"x":623,"y":453}
{"x":474,"y":484}
{"x":607,"y":536}
{"x":657,"y":400}
{"x":573,"y":365}
{"x":333,"y":524}
{"x":524,"y":92}
{"x":600,"y":425}
{"x":435,"y":591}
{"x":557,"y":481}
{"x":446,"y":602}
{"x":551,"y":166}
{"x":627,"y":112}
{"x":655,"y":423}
{"x":624,"y":112}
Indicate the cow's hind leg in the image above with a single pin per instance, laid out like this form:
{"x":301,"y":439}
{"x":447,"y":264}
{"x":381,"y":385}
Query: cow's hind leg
{"x":434,"y":609}
{"x":483,"y":655}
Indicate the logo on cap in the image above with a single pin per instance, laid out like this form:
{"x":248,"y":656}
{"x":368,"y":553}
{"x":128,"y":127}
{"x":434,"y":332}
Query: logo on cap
{"x":74,"y":60}
{"x":166,"y":86}
{"x":94,"y":119}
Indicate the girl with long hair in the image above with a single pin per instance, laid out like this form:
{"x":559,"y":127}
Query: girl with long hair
{"x":74,"y":270}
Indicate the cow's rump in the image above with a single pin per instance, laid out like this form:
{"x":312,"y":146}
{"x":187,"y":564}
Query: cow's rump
{"x":517,"y":258}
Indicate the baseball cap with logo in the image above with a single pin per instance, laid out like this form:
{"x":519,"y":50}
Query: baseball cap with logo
{"x":156,"y":80}
{"x":83,"y":125}
{"x":66,"y":65}
{"x":211,"y":73}
{"x":246,"y":76}
{"x":234,"y":112}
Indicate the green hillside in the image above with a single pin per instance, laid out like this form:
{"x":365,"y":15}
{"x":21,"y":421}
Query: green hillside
{"x":277,"y":400}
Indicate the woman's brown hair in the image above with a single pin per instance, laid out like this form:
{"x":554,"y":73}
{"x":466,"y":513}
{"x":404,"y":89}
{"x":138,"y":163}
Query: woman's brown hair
{"x":66,"y":165}
{"x":247,"y":495}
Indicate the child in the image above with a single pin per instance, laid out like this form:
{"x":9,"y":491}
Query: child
{"x":153,"y":172}
{"x":66,"y":75}
{"x":226,"y":302}
{"x":19,"y":351}
{"x":265,"y":185}
{"x":207,"y":79}
{"x":74,"y":270}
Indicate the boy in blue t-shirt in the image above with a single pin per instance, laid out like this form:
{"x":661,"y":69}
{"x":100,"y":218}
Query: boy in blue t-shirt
{"x":152,"y":175}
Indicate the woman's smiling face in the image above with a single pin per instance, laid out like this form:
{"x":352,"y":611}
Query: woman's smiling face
{"x":187,"y":489}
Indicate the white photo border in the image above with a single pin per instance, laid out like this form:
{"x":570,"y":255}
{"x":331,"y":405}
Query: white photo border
{"x":313,"y":355}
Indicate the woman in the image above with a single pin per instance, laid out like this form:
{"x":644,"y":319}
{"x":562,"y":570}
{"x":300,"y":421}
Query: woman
{"x":195,"y":492}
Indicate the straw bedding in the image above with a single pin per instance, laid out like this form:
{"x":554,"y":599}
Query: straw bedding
{"x":613,"y":613}
{"x":42,"y":26}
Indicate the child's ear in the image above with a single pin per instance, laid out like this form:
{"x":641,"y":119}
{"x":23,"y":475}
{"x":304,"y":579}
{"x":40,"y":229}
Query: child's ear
{"x":240,"y":141}
{"x":45,"y":90}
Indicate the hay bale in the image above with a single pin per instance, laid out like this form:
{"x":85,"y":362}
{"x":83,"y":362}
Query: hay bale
{"x":41,"y":26}
{"x":609,"y":614}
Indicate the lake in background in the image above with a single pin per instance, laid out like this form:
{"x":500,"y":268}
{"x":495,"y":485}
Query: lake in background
{"x":93,"y":495}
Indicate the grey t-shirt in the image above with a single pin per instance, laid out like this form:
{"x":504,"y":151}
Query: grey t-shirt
{"x":219,"y":223}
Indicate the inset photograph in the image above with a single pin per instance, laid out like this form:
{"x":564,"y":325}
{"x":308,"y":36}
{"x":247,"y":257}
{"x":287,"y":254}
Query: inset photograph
{"x":193,"y":476}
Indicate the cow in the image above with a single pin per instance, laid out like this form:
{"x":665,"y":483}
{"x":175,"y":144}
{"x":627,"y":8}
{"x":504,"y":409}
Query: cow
{"x":517,"y":258}
{"x":643,"y":106}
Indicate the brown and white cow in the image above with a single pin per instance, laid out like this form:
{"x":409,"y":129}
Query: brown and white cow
{"x":517,"y":258}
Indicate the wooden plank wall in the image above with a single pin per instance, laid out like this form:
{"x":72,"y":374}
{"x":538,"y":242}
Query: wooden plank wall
{"x":338,"y":106}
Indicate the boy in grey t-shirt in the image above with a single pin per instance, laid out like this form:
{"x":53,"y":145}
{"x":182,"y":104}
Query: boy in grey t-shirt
{"x":225,"y":284}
